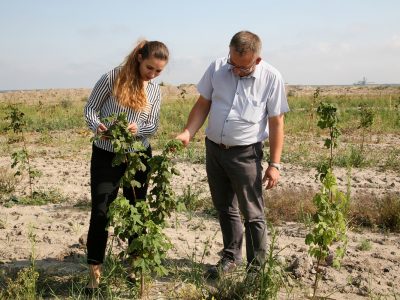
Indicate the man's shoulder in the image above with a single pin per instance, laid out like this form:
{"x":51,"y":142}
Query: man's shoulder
{"x":219,"y":63}
{"x":269,"y":70}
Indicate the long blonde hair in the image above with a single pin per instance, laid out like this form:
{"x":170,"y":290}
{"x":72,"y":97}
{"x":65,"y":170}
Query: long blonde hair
{"x":128,"y":87}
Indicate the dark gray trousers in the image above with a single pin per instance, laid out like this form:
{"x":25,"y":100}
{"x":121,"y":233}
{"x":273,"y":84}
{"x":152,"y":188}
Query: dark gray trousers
{"x":235,"y":180}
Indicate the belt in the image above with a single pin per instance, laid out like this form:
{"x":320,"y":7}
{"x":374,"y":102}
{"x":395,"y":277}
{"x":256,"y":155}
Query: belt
{"x":226,"y":147}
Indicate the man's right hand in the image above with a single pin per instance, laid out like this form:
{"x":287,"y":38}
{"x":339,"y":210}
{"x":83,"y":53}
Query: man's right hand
{"x":184,"y":137}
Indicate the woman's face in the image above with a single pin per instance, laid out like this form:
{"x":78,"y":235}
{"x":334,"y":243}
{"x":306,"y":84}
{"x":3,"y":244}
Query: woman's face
{"x":151,"y":67}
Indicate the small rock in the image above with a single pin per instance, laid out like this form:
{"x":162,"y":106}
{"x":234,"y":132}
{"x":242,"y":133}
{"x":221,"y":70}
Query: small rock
{"x":300,"y":266}
{"x":82,"y":239}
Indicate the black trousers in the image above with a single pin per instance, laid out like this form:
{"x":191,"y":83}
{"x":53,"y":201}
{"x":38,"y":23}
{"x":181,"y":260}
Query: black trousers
{"x":104,"y":183}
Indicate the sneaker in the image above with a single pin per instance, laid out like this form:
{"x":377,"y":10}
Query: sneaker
{"x":224,"y":266}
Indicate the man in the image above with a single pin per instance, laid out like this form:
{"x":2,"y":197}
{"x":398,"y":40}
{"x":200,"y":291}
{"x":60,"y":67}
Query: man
{"x":245,"y":100}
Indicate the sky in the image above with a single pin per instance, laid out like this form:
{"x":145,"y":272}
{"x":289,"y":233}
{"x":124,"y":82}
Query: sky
{"x":70,"y":44}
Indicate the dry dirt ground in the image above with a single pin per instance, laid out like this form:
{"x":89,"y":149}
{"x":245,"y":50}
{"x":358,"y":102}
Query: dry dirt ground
{"x":59,"y":229}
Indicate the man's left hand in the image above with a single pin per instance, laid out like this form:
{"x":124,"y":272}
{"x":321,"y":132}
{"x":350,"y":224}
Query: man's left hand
{"x":271,"y":177}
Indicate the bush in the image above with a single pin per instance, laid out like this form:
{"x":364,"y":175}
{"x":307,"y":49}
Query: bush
{"x":389,"y":213}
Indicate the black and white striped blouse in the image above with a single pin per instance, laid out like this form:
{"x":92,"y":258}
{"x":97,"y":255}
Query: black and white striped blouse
{"x":102,"y":104}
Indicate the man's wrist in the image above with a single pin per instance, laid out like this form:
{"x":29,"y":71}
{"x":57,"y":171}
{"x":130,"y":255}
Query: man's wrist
{"x":275,"y":165}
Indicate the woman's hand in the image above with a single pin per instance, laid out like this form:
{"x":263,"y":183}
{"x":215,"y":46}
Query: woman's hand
{"x":133,"y":128}
{"x":101,"y":130}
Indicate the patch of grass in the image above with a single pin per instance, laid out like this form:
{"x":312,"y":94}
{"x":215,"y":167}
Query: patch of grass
{"x":193,"y":201}
{"x":392,"y":161}
{"x":40,"y":197}
{"x":389,"y":213}
{"x":370,"y":211}
{"x":263,"y":285}
{"x":195,"y":153}
{"x":191,"y":272}
{"x":353,"y":157}
{"x":364,"y":245}
{"x":23,"y":286}
{"x":7,"y":181}
{"x":42,"y":117}
{"x":83,"y":204}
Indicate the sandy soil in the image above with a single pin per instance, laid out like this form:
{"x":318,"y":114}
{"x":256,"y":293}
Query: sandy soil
{"x":59,"y":229}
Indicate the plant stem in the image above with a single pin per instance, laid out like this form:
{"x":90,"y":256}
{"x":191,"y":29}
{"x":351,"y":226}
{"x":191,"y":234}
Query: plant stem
{"x":141,"y":283}
{"x":316,"y":278}
{"x":29,"y":166}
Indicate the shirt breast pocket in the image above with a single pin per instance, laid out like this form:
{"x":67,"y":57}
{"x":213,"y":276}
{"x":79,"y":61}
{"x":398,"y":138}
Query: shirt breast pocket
{"x":253,"y":111}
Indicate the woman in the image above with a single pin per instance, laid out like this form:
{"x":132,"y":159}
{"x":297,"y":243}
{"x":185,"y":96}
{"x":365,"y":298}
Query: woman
{"x":128,"y":88}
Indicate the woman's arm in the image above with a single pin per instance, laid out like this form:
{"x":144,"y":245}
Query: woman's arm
{"x":96,"y":99}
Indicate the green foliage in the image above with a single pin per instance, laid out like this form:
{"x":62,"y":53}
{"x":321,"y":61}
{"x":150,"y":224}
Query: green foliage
{"x":39,"y":197}
{"x":366,"y":121}
{"x":397,"y":113}
{"x":150,"y":244}
{"x":123,"y":142}
{"x":16,"y":120}
{"x":313,"y":102}
{"x":366,"y":117}
{"x":265,"y":284}
{"x":352,"y":157}
{"x":161,"y":198}
{"x":272,"y":277}
{"x":20,"y":158}
{"x":364,"y":245}
{"x":328,"y":119}
{"x":145,"y":219}
{"x":393,"y":160}
{"x":192,"y":200}
{"x":329,"y":222}
{"x":322,"y":170}
{"x":24,"y":286}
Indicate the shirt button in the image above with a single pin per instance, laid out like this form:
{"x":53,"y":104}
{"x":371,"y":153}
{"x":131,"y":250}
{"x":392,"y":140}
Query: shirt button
{"x":237,"y":93}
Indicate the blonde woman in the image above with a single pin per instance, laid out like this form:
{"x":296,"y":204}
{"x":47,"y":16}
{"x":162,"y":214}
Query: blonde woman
{"x":128,"y":88}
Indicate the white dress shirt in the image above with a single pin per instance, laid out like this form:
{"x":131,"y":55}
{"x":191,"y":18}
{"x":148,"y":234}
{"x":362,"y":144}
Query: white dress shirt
{"x":241,"y":105}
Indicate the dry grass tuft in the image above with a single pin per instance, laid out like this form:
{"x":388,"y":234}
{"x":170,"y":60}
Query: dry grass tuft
{"x":289,"y":205}
{"x":7,"y":181}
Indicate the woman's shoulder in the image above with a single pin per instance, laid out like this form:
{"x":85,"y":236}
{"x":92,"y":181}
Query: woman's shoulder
{"x":155,"y":86}
{"x":110,"y":76}
{"x":113,"y":73}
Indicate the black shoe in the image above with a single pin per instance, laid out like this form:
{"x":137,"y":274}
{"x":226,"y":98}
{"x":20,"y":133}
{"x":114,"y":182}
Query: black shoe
{"x":224,"y":266}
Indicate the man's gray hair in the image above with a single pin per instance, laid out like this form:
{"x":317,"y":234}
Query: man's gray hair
{"x":244,"y":42}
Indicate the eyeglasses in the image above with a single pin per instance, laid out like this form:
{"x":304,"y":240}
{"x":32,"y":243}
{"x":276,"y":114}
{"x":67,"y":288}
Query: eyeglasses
{"x":241,"y":69}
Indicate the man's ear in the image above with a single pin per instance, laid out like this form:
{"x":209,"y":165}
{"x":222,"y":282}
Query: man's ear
{"x":258,"y":60}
